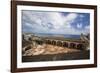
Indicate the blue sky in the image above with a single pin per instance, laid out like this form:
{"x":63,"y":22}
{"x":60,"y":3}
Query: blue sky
{"x":55,"y":22}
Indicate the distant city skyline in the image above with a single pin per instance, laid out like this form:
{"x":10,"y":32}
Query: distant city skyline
{"x":55,"y":22}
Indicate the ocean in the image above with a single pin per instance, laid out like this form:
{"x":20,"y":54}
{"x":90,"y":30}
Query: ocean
{"x":59,"y":35}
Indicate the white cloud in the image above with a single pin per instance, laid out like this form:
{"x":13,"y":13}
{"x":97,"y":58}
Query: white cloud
{"x":56,"y":19}
{"x":70,"y":17}
{"x":51,"y":22}
{"x":87,"y":27}
{"x":79,"y":25}
{"x":81,"y":15}
{"x":28,"y":24}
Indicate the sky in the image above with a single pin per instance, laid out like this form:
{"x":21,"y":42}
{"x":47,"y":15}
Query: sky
{"x":47,"y":22}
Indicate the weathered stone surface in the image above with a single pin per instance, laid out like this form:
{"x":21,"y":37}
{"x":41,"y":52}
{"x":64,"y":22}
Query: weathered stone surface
{"x":47,"y":49}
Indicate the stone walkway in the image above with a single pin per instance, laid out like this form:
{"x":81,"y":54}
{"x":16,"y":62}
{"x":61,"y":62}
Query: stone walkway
{"x":47,"y":49}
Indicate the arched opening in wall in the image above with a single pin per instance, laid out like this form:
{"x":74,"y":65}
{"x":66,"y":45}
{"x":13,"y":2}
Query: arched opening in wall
{"x":47,"y":41}
{"x":59,"y":43}
{"x":65,"y":44}
{"x":36,"y":41}
{"x":72,"y":45}
{"x":53,"y":42}
{"x":80,"y":46}
{"x":40,"y":42}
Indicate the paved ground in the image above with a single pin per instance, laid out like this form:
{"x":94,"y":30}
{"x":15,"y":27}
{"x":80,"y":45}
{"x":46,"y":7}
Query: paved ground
{"x":46,"y":52}
{"x":46,"y":49}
